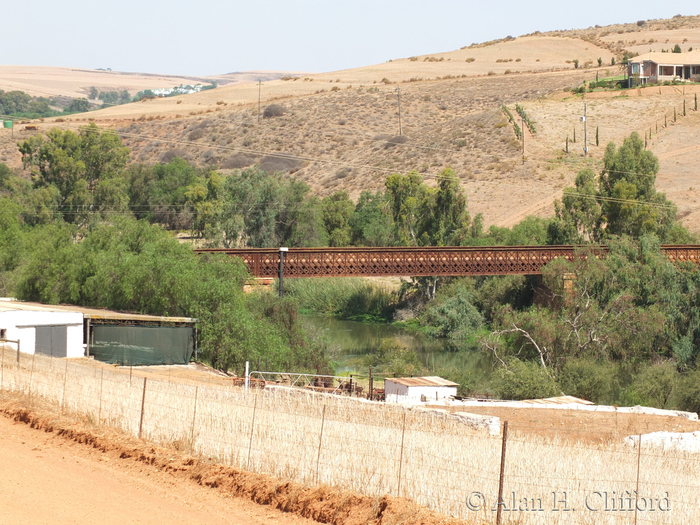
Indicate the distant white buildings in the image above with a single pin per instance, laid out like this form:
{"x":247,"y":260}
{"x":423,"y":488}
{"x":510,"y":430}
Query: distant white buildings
{"x":182,"y":89}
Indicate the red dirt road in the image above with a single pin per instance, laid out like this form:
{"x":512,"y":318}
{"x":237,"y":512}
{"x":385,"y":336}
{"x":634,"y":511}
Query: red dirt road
{"x":47,"y":479}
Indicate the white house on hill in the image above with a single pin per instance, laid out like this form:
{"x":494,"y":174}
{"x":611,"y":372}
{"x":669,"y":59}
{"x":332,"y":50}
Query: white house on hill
{"x":664,"y":67}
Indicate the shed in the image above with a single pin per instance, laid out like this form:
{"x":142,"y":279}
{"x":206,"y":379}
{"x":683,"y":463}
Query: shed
{"x":42,"y":330}
{"x":417,"y":389}
{"x":108,"y":336}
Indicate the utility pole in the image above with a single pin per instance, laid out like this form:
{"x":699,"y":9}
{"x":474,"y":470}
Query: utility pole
{"x":259,"y":90}
{"x":398,"y":94}
{"x":585,"y":130}
{"x":282,"y":251}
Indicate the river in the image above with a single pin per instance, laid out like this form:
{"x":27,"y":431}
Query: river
{"x":353,"y":339}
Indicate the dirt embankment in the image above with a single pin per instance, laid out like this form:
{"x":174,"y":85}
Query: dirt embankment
{"x":322,"y":503}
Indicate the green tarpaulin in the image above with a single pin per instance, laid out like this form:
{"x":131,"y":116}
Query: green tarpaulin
{"x":142,"y":345}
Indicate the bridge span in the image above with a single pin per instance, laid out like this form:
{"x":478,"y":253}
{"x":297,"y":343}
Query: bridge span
{"x":418,"y":261}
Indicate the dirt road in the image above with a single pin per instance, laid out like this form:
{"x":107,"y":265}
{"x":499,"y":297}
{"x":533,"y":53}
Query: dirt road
{"x":47,"y":479}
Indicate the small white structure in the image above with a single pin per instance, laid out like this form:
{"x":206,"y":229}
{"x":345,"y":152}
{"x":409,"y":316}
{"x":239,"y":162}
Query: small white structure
{"x":42,"y":330}
{"x":418,"y":389}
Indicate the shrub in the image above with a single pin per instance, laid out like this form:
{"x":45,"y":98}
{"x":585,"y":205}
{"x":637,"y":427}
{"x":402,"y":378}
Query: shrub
{"x":524,"y":380}
{"x":688,"y":397}
{"x":238,"y":161}
{"x":653,"y":386}
{"x":276,"y":164}
{"x":393,"y":141}
{"x":274,"y":110}
{"x":588,"y":380}
{"x":454,"y":316}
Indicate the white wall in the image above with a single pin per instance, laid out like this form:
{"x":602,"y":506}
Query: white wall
{"x":397,"y":393}
{"x":21,"y":325}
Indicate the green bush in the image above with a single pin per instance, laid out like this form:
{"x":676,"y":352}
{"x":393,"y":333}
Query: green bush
{"x":452,"y":315}
{"x":524,"y":380}
{"x":688,"y":396}
{"x":588,"y":380}
{"x":653,"y":386}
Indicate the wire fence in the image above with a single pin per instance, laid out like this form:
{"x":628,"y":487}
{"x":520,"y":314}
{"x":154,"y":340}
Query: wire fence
{"x":433,"y":458}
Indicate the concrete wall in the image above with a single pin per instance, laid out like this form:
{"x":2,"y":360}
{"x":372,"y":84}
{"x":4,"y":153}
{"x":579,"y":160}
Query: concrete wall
{"x":21,"y":325}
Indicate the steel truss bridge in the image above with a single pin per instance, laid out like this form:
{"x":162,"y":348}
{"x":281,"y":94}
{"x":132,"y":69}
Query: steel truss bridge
{"x":419,"y":261}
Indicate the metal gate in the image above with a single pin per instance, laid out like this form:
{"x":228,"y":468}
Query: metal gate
{"x":52,"y":340}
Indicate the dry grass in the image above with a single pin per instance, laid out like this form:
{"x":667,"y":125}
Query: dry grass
{"x":339,"y":138}
{"x":442,"y":460}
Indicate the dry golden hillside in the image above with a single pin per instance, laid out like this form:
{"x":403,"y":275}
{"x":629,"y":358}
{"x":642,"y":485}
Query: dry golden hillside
{"x":340,"y":130}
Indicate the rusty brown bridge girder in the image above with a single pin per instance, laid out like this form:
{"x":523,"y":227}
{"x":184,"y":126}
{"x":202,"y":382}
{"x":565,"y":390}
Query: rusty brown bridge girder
{"x":421,"y":261}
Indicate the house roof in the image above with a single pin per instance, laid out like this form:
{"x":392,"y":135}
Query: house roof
{"x":691,"y":57}
{"x":98,"y":314}
{"x":422,"y":381}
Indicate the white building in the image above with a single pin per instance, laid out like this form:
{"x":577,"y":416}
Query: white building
{"x":112,"y":337}
{"x":42,"y":330}
{"x":418,"y":389}
{"x":664,"y":67}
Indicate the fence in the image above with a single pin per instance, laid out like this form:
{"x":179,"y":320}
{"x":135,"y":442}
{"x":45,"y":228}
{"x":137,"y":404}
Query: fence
{"x":432,"y":458}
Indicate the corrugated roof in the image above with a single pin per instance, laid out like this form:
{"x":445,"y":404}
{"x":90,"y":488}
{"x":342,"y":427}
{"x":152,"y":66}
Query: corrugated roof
{"x":692,"y":57}
{"x":422,"y":381}
{"x":89,"y":313}
{"x":560,"y":400}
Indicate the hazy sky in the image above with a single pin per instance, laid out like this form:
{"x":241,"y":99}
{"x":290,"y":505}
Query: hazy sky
{"x":203,"y":37}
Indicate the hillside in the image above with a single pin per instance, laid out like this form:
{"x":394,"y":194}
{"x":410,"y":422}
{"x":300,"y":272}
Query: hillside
{"x":340,"y":129}
{"x":76,"y":82}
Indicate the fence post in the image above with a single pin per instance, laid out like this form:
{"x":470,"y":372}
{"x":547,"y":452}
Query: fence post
{"x":403,"y":432}
{"x":194,"y":416}
{"x":636,"y":492}
{"x":143,"y":406}
{"x":17,"y":356}
{"x":63,"y":397}
{"x":99,"y":414}
{"x":31,"y":376}
{"x":252,"y":426}
{"x":320,"y":441}
{"x":503,"y":470}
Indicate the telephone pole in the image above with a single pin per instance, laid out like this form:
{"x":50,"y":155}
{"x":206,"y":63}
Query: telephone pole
{"x":398,"y":94}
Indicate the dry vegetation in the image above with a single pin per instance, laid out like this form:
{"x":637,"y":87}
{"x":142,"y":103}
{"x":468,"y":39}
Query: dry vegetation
{"x":438,"y":460}
{"x":339,"y":129}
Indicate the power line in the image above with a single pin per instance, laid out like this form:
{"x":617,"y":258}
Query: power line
{"x":618,"y":200}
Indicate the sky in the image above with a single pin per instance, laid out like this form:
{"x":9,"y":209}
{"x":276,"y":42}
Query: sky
{"x":209,"y":37}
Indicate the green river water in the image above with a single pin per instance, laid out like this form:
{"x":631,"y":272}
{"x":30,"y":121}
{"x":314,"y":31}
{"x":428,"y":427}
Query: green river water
{"x":353,"y":339}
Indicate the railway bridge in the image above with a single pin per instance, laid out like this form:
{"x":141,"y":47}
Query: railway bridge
{"x":419,"y":261}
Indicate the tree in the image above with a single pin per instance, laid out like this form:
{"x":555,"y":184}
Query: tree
{"x":627,"y":183}
{"x":337,"y":210}
{"x":579,"y":216}
{"x":406,"y":195}
{"x":677,"y":49}
{"x":445,"y":215}
{"x":75,"y":165}
{"x":371,"y":222}
{"x":78,"y":105}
